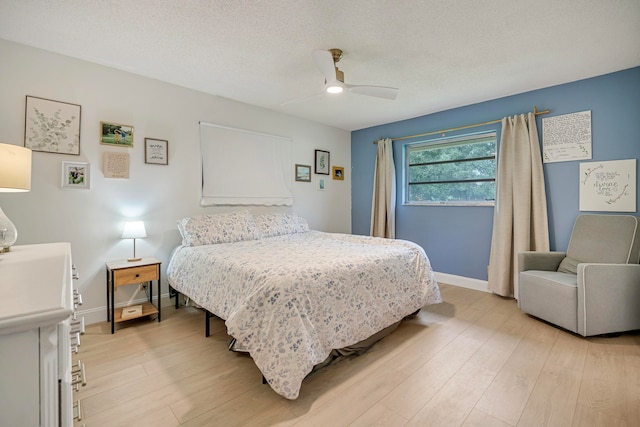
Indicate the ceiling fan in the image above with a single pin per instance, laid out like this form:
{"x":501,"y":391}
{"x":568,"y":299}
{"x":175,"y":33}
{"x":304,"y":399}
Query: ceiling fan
{"x":327,"y":60}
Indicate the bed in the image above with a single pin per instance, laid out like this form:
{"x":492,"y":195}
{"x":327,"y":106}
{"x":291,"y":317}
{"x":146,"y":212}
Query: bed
{"x":290,"y":295}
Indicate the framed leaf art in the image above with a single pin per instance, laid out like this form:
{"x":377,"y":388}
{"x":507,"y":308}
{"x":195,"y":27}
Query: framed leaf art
{"x":52,"y":126}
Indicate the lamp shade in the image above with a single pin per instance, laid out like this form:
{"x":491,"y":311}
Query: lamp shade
{"x":134,"y":230}
{"x":15,"y":168}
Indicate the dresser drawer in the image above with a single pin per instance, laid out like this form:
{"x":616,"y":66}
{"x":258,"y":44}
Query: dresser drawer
{"x":131,"y":275}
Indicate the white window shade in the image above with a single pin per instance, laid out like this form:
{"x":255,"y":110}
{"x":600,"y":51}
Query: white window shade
{"x":241,"y":167}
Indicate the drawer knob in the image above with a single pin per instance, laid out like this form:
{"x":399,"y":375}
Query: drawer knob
{"x":138,"y":275}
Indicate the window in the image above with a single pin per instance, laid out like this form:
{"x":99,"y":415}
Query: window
{"x":451,"y":171}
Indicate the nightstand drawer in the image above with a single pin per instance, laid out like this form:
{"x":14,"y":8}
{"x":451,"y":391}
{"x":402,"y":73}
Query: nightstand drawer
{"x":127,"y":276}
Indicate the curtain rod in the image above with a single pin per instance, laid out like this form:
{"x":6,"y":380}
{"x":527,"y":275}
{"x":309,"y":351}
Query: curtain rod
{"x":535,"y":112}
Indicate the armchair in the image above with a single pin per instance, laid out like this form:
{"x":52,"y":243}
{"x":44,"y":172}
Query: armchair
{"x":594,"y":287}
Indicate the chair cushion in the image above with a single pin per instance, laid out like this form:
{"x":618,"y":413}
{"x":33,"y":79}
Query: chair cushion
{"x":609,"y":239}
{"x":568,"y":265}
{"x":551,"y":296}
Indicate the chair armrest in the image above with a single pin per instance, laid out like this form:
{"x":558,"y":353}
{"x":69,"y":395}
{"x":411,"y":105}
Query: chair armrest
{"x":608,"y":298}
{"x":545,"y":261}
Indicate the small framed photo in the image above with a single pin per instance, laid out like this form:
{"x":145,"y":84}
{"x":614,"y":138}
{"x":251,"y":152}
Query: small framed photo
{"x":156,"y":151}
{"x":52,"y":126}
{"x":303,"y":173}
{"x":116,"y":134}
{"x":337,"y":172}
{"x":76,"y":175}
{"x":322,"y":162}
{"x":321,"y":185}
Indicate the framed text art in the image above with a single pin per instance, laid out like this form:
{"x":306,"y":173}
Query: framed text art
{"x":608,"y":186}
{"x":322,"y":162}
{"x":76,"y":175}
{"x":116,"y":134}
{"x":52,"y":126}
{"x":156,"y":151}
{"x":116,"y":165}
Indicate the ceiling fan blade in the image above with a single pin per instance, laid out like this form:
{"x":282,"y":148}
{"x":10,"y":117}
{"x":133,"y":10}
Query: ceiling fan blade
{"x":376,"y":91}
{"x":324,"y":61}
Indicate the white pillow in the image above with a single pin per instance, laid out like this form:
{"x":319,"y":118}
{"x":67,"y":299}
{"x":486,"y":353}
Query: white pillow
{"x":280,"y":223}
{"x":219,"y":228}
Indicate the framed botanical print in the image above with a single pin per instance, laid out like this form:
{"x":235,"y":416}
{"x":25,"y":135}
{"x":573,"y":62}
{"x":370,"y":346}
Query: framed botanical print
{"x":322,"y":162}
{"x":52,"y":126}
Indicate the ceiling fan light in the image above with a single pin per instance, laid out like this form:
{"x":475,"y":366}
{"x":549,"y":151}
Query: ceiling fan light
{"x":334,"y":88}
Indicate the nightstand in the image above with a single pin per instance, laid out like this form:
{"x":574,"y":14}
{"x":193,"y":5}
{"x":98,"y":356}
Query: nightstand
{"x":122,"y":273}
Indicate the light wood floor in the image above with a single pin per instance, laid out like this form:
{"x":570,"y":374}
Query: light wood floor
{"x":474,"y":360}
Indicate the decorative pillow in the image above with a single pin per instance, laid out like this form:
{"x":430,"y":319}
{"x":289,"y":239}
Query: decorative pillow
{"x":279,"y":223}
{"x":568,"y":265}
{"x":219,"y":228}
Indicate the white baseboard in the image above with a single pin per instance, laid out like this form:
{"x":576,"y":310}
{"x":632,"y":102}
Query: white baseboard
{"x":463,"y":282}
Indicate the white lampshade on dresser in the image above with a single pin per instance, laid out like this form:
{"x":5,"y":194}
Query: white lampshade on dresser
{"x":15,"y":176}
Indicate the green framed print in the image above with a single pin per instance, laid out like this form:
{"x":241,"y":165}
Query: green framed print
{"x":116,"y":134}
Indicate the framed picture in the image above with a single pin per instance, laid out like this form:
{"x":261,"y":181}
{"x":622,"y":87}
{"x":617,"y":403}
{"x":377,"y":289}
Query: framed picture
{"x":52,"y":126}
{"x":303,"y":173}
{"x":321,"y":186}
{"x":337,"y":172}
{"x":76,"y":175}
{"x":116,"y":165}
{"x":116,"y":134}
{"x":322,"y":162}
{"x":156,"y":151}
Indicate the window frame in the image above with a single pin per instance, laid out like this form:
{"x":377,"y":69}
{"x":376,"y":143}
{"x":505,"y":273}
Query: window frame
{"x":442,"y":142}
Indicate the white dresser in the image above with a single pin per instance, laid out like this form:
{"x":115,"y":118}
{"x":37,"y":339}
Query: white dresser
{"x":36,"y":305}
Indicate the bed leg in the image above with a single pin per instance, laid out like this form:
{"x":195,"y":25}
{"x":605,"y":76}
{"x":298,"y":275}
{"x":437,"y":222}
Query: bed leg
{"x":176,"y":294}
{"x":207,"y":318}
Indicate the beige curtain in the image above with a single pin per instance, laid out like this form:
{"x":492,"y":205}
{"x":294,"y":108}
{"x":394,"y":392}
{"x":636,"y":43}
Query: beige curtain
{"x":520,"y":215}
{"x":383,"y":206}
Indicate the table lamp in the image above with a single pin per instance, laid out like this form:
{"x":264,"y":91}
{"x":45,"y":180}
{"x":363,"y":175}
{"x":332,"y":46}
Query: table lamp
{"x":134,"y":230}
{"x":15,"y":176}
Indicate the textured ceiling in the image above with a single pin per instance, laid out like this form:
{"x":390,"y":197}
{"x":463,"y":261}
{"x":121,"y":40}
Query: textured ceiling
{"x":441,"y":54}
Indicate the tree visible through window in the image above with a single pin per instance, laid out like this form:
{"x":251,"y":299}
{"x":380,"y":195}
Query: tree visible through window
{"x":453,"y":171}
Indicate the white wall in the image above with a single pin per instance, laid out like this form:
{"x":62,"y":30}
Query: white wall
{"x":92,"y":219}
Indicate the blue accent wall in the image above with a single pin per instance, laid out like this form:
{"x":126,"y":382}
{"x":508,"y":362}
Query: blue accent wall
{"x":458,"y":239}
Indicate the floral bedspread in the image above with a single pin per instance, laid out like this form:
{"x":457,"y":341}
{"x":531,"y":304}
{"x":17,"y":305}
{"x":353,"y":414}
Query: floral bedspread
{"x":289,"y":300}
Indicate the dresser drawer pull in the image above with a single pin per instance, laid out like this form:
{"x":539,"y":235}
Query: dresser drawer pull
{"x":78,"y":377}
{"x":75,"y":340}
{"x":77,"y":326}
{"x":77,"y":298}
{"x":77,"y":410}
